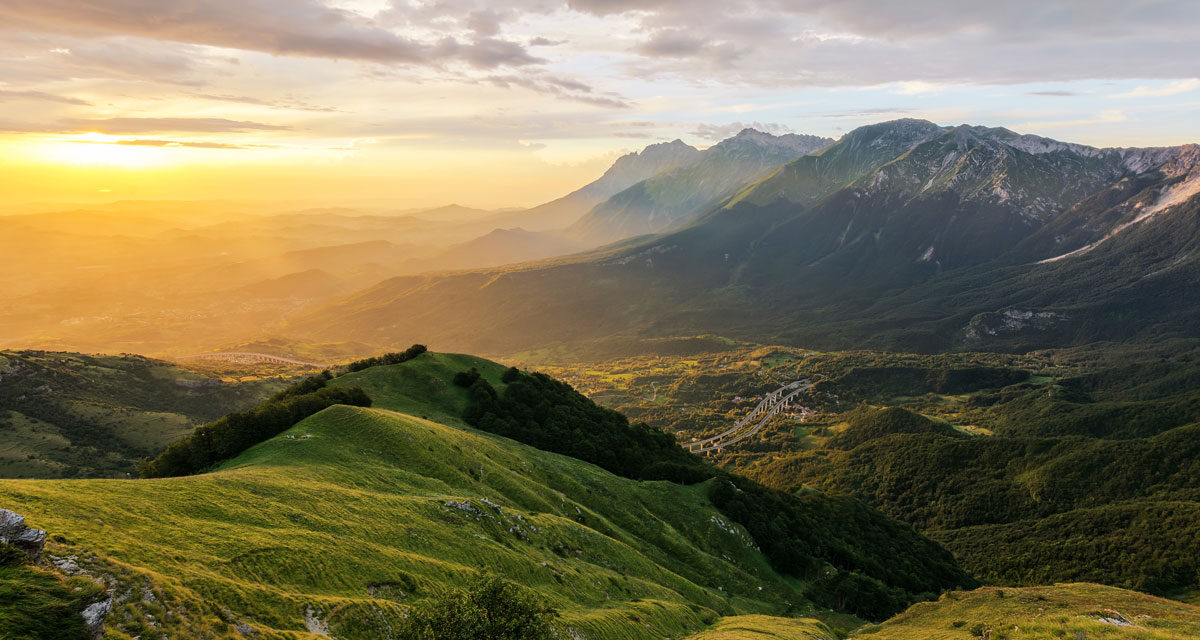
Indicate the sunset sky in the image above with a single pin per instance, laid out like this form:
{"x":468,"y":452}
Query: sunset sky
{"x":509,"y":104}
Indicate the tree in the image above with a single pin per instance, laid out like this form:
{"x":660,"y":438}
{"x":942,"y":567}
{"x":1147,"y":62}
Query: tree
{"x":491,"y":608}
{"x":466,"y":378}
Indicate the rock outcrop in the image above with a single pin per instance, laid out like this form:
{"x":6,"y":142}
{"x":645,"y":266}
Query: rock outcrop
{"x":13,"y":531}
{"x":94,"y":615}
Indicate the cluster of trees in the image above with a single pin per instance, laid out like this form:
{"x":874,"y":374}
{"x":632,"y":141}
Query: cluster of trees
{"x":387,"y":358}
{"x":307,"y":385}
{"x":490,"y":608}
{"x":880,"y":566}
{"x":1066,"y":409}
{"x":1147,"y":545}
{"x":466,"y":378}
{"x":1027,"y":510}
{"x":543,"y":412}
{"x":227,"y":437}
{"x":836,"y":544}
{"x":873,"y":383}
{"x":868,"y":423}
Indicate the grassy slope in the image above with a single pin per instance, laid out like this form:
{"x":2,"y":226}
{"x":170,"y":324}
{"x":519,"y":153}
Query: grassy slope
{"x":360,"y":507}
{"x":1060,"y":611}
{"x":759,"y":627}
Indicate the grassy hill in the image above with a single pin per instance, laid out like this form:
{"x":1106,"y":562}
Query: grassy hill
{"x":1078,"y":611}
{"x":77,"y":415}
{"x":376,"y":507}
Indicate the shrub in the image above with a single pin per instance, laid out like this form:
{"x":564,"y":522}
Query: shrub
{"x":307,"y":385}
{"x":491,"y":608}
{"x":466,"y":378}
{"x":387,"y":358}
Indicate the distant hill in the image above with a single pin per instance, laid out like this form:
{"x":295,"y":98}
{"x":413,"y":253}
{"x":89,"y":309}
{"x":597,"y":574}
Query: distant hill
{"x":450,"y":212}
{"x":68,"y":415}
{"x":628,"y":170}
{"x":902,"y":235}
{"x":499,"y":247}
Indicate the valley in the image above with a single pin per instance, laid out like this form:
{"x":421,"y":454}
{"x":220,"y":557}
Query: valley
{"x":1034,"y":469}
{"x":599,"y":320}
{"x":921,"y":381}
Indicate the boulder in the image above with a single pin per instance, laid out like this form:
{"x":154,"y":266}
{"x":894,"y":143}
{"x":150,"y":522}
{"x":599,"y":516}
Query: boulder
{"x":14,"y":532}
{"x":94,"y":615}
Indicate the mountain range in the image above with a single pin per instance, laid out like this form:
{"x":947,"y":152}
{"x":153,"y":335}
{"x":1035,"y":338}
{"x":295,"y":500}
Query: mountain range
{"x":664,"y":200}
{"x":903,"y":234}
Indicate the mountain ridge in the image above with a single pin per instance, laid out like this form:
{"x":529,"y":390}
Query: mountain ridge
{"x":896,"y":236}
{"x":674,"y":196}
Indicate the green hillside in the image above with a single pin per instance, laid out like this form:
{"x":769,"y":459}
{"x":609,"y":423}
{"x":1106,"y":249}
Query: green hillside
{"x":1075,"y":611}
{"x":355,"y":511}
{"x":77,"y":415}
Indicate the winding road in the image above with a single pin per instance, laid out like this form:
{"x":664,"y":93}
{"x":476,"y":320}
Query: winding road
{"x":774,"y":402}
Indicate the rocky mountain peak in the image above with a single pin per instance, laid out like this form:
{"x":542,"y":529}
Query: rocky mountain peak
{"x":634,"y":167}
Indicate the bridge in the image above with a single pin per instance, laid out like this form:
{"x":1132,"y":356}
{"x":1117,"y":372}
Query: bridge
{"x":770,"y":406}
{"x":250,"y":356}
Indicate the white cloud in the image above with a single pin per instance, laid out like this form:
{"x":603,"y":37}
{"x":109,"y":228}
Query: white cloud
{"x":1107,"y":116}
{"x":1170,"y":89}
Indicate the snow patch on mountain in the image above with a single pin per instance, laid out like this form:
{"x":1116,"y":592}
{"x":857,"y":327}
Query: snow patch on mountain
{"x":1186,"y":163}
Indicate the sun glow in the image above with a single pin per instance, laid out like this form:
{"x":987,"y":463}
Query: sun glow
{"x":97,"y":149}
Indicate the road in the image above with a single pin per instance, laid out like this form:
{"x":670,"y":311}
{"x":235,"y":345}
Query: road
{"x":774,"y":402}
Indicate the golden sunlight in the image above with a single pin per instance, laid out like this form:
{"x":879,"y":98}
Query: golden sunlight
{"x":97,"y":149}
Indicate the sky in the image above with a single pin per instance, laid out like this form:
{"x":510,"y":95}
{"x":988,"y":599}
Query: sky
{"x":499,"y":104}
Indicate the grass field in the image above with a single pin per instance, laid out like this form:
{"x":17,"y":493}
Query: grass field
{"x":759,"y":627}
{"x":1072,"y":611}
{"x":376,"y":508}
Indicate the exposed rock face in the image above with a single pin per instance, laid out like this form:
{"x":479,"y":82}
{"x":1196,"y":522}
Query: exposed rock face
{"x":32,"y":541}
{"x":14,"y":532}
{"x":94,"y":616}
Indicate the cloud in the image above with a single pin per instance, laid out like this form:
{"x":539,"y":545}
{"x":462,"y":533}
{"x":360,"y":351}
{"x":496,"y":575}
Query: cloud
{"x":871,"y":113}
{"x":286,"y":103}
{"x":1060,"y":94}
{"x":7,"y":94}
{"x":506,"y":129}
{"x":561,"y":87}
{"x":671,"y":43}
{"x":127,"y":126}
{"x":146,"y":142}
{"x":926,"y":43}
{"x":1177,"y":87}
{"x":487,"y":53}
{"x":282,"y":27}
{"x":118,"y":126}
{"x":1107,"y":116}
